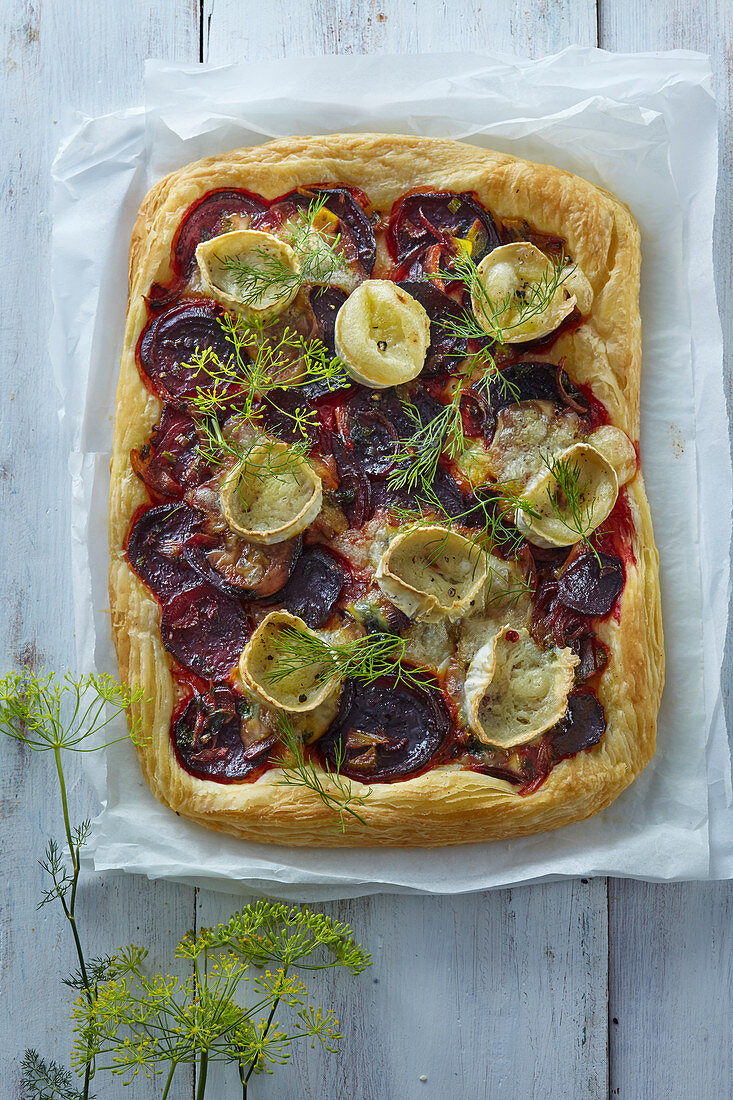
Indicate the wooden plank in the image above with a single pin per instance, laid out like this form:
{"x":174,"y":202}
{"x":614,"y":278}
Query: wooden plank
{"x":671,"y":990}
{"x":499,"y":995}
{"x":478,"y":994}
{"x":670,"y":946}
{"x":392,"y":26}
{"x":89,"y":56}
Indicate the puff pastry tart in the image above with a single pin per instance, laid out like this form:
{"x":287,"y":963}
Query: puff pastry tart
{"x":381,"y":555}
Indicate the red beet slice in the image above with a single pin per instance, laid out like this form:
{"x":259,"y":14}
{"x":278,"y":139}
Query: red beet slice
{"x":583,"y":726}
{"x":325,"y":303}
{"x":590,"y":586}
{"x":207,"y":740}
{"x":427,"y":218}
{"x":314,"y":587}
{"x":170,"y":341}
{"x":407,"y":727}
{"x":207,"y":218}
{"x":357,"y":233}
{"x":171,"y":462}
{"x":156,"y":548}
{"x":204,"y":631}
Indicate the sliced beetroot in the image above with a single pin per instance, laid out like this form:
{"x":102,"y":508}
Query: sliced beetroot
{"x":170,"y":341}
{"x":357,"y":233}
{"x":171,"y":462}
{"x":527,"y":382}
{"x":157,"y":544}
{"x":386,"y":730}
{"x":325,"y":303}
{"x":243,"y":570}
{"x":354,"y":493}
{"x":426,"y":218}
{"x":314,"y":587}
{"x":204,"y":631}
{"x":593,"y":656}
{"x":207,"y":738}
{"x":373,"y":439}
{"x":591,"y":584}
{"x":209,"y":217}
{"x":583,"y":726}
{"x":445,"y":351}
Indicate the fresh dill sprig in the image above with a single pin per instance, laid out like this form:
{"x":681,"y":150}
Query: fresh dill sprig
{"x":417,"y":458}
{"x":59,"y":715}
{"x":318,"y":258}
{"x":333,"y":789}
{"x":283,"y":361}
{"x":135,"y":1023}
{"x":363,"y":659}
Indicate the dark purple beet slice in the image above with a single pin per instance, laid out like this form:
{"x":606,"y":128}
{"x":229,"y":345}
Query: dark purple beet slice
{"x":325,"y":303}
{"x":244,"y":570}
{"x":445,"y":351}
{"x":589,"y":587}
{"x":205,"y":631}
{"x":432,"y":217}
{"x":373,"y":439}
{"x":171,"y":463}
{"x":207,"y":738}
{"x":354,"y":491}
{"x":593,"y":657}
{"x":156,"y":548}
{"x":206,"y":218}
{"x":583,"y":726}
{"x":314,"y":587}
{"x":170,"y":341}
{"x":408,"y":727}
{"x":356,"y":227}
{"x":527,"y":382}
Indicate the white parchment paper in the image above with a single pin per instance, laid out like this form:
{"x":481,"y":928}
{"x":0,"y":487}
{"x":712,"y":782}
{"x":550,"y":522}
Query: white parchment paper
{"x":644,"y":126}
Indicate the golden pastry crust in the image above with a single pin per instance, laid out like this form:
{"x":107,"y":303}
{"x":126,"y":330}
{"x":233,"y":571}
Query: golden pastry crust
{"x":445,"y":805}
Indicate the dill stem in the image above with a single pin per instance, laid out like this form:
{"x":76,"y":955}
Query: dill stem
{"x":203,"y":1068}
{"x":270,"y":1018}
{"x":169,"y":1078}
{"x":70,"y":909}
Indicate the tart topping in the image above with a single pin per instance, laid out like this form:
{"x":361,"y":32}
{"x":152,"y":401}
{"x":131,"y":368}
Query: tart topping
{"x":582,"y":727}
{"x":314,"y":587}
{"x":272,"y":494}
{"x":515,"y":690}
{"x":386,"y":730}
{"x":519,"y":294}
{"x":170,"y":341}
{"x":382,"y":334}
{"x":617,"y":448}
{"x":446,"y":350}
{"x":566,"y":503}
{"x":252,"y":273}
{"x":427,"y":228}
{"x":430,"y":572}
{"x":171,"y":462}
{"x":156,"y":548}
{"x":204,"y":631}
{"x":591,"y":583}
{"x":208,"y":737}
{"x":301,"y":690}
{"x":216,"y":213}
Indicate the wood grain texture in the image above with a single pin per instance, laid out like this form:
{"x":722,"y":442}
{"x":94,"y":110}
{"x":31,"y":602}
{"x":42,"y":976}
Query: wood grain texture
{"x":478,"y":994}
{"x":234,"y":30}
{"x":88,"y":56}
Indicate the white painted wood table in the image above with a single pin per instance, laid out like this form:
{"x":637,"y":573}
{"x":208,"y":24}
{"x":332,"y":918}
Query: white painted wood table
{"x":581,"y":989}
